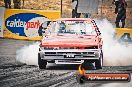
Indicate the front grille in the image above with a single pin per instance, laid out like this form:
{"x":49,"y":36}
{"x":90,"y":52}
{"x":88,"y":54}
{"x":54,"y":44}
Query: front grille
{"x":50,"y":52}
{"x":91,"y":52}
{"x":81,"y":54}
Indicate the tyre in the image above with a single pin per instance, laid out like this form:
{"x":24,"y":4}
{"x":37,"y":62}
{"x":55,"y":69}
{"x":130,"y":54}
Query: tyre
{"x":87,"y":65}
{"x":99,"y":63}
{"x":42,"y":63}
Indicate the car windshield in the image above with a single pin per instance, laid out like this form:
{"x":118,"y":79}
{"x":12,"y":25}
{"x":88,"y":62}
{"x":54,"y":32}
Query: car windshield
{"x":73,"y":27}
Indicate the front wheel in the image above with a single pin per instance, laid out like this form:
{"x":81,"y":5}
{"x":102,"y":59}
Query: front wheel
{"x":42,"y":63}
{"x":99,"y":63}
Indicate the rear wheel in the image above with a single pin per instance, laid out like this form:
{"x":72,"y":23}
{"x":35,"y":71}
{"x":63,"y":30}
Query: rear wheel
{"x":99,"y":63}
{"x":42,"y":63}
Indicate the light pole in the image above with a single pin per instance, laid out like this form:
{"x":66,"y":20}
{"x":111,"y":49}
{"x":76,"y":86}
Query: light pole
{"x":23,"y":4}
{"x":61,"y":8}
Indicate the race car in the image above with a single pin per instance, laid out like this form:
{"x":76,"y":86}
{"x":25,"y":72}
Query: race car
{"x":71,"y":41}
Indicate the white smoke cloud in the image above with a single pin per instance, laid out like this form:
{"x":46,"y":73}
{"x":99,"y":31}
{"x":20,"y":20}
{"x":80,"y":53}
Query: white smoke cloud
{"x":28,"y":54}
{"x":115,"y":54}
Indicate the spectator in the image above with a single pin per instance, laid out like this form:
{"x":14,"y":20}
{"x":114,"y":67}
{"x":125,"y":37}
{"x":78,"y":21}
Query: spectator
{"x":74,"y":9}
{"x":7,"y":3}
{"x":17,"y":4}
{"x":87,"y":15}
{"x":121,"y":13}
{"x":116,"y":2}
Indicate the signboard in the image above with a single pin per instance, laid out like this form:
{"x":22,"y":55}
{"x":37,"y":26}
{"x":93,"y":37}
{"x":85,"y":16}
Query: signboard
{"x":2,"y":9}
{"x":124,"y":34}
{"x":27,"y":24}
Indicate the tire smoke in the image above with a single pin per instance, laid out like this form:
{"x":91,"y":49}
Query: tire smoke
{"x":28,"y":54}
{"x":115,"y":53}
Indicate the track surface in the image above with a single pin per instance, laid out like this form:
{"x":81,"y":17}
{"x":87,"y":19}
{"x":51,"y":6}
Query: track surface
{"x":21,"y":75}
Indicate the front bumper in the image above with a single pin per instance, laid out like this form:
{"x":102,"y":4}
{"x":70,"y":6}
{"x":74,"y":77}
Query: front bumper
{"x":70,"y":54}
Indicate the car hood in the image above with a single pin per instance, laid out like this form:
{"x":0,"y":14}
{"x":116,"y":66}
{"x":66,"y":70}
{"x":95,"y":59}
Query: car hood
{"x":70,"y":41}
